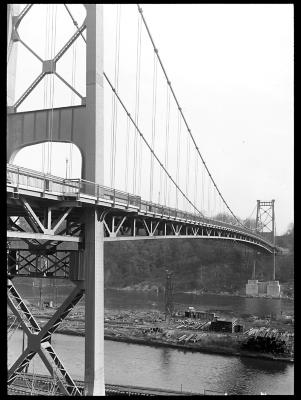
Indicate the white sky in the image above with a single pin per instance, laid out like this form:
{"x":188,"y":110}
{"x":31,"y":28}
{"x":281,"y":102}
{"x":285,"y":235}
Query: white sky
{"x":231,"y":67}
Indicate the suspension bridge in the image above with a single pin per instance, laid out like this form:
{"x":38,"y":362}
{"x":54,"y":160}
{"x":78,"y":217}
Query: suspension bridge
{"x":57,"y":226}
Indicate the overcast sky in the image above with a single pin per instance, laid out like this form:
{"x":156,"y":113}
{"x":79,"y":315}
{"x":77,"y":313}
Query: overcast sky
{"x":231,"y":67}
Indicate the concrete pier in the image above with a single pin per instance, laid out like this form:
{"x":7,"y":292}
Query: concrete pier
{"x":262,"y":289}
{"x":252,"y":287}
{"x":273,"y":289}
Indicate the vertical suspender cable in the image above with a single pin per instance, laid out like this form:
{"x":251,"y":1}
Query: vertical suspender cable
{"x":139,"y":138}
{"x":52,"y":100}
{"x":147,"y":144}
{"x":166,"y":199}
{"x":49,"y":92}
{"x":184,"y":119}
{"x":73,"y":71}
{"x":45,"y":80}
{"x":195,"y":177}
{"x":112,"y":137}
{"x":10,"y":45}
{"x":137,"y":101}
{"x":114,"y":103}
{"x":178,"y":158}
{"x":203,"y":189}
{"x":153,"y":127}
{"x":74,"y":54}
{"x":214,"y":207}
{"x":160,"y":187}
{"x":187,"y":165}
{"x":127,"y":152}
{"x":208,"y":199}
{"x":50,"y":84}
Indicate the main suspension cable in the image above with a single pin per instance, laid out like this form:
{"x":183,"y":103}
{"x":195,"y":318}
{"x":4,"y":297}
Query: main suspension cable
{"x":180,"y":109}
{"x":148,"y":145}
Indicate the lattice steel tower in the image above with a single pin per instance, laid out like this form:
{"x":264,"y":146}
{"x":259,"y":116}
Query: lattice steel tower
{"x":265,"y":224}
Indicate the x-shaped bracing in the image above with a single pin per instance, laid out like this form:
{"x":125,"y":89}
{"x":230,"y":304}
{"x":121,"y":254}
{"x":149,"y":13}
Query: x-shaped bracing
{"x":48,"y":66}
{"x":39,"y":339}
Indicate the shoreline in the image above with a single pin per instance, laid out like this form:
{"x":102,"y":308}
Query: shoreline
{"x":191,"y":347}
{"x":196,"y":293}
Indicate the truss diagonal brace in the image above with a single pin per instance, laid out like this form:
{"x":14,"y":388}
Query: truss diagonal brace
{"x":56,"y":227}
{"x":176,"y":231}
{"x":32,"y":215}
{"x":112,"y":232}
{"x":39,"y":339}
{"x":69,"y":43}
{"x":22,"y":15}
{"x":19,"y":365}
{"x":29,"y":90}
{"x":26,"y":315}
{"x":150,"y":231}
{"x":66,"y":383}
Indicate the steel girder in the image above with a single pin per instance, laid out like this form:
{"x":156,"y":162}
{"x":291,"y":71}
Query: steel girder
{"x":126,"y":227}
{"x":40,"y":238}
{"x":36,"y":233}
{"x":39,"y":339}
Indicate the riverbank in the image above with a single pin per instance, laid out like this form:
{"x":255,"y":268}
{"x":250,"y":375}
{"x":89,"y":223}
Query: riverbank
{"x":199,"y":349}
{"x":152,"y":288}
{"x":209,"y":349}
{"x":150,"y":328}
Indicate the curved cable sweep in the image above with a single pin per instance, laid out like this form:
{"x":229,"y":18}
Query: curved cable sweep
{"x":148,"y":145}
{"x":183,"y":117}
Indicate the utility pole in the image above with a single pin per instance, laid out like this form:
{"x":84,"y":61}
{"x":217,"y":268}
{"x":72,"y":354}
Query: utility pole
{"x":254,"y":268}
{"x":168,"y":296}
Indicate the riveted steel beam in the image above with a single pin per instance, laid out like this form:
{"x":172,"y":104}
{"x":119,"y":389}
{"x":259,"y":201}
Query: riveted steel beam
{"x":39,"y":339}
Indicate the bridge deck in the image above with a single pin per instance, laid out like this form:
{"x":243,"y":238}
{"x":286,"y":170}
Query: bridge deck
{"x":79,"y":192}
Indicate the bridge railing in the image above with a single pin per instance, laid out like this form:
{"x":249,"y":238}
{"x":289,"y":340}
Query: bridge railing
{"x":27,"y":178}
{"x":23,"y":177}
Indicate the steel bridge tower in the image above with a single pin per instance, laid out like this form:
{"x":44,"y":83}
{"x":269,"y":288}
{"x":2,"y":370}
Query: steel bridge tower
{"x":71,"y":238}
{"x":265,"y":224}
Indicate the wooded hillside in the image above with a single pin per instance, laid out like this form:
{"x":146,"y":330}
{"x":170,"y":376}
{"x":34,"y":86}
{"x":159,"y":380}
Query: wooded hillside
{"x":208,"y":265}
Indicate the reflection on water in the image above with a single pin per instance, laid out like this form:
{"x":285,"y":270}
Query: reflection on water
{"x":161,"y":367}
{"x":165,"y":357}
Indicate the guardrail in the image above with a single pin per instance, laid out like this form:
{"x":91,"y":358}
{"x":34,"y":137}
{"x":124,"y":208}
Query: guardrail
{"x":23,"y":177}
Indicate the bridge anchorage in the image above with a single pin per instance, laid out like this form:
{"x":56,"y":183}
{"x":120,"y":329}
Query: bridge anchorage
{"x":57,"y":227}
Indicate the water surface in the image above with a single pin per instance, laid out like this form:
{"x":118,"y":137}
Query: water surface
{"x":162,"y":367}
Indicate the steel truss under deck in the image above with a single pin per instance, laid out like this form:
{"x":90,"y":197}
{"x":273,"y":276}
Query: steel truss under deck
{"x":39,"y":339}
{"x":41,"y":236}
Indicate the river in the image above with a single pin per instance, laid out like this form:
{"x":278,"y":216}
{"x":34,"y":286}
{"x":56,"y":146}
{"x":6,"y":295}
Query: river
{"x":168,"y":368}
{"x":135,"y":300}
{"x":161,"y":367}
